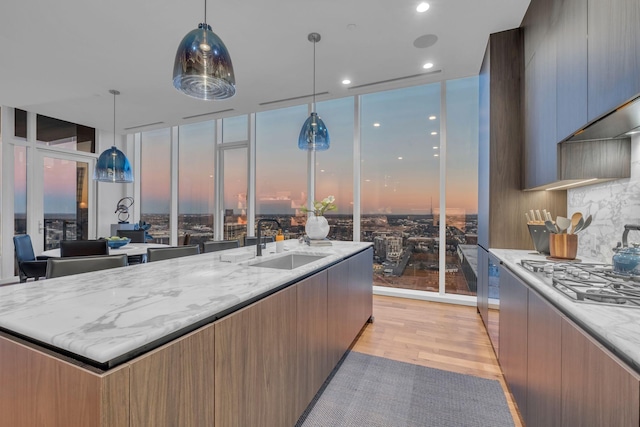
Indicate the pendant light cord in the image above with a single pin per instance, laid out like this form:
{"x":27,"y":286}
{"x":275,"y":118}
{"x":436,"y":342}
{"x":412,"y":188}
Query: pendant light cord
{"x":314,"y":77}
{"x":114,"y":118}
{"x":205,"y":11}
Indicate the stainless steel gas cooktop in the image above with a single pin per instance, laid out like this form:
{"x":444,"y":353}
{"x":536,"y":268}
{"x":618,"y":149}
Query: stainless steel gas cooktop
{"x":590,"y":283}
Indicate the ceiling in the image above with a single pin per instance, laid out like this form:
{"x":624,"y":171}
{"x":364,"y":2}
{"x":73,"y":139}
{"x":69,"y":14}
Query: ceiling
{"x":60,"y":58}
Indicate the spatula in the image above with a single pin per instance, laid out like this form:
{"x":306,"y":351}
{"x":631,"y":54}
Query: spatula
{"x":563,"y":223}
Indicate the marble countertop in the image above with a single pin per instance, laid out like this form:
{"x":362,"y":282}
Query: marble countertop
{"x":108,"y":316}
{"x":617,"y":328}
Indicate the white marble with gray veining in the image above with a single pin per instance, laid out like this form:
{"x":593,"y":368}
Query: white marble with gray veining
{"x":618,"y":326}
{"x":107,"y":314}
{"x":612,"y":204}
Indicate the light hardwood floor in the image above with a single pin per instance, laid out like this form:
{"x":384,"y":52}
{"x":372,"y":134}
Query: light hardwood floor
{"x":436,"y":335}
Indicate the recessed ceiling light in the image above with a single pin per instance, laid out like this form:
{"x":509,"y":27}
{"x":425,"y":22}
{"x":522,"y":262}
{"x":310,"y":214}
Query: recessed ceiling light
{"x":436,"y":155}
{"x":427,"y":65}
{"x":434,"y":133}
{"x":432,"y":117}
{"x":376,"y":125}
{"x":435,"y":148}
{"x":321,"y":170}
{"x":422,"y":7}
{"x":367,"y":180}
{"x":400,"y":158}
{"x":346,"y":82}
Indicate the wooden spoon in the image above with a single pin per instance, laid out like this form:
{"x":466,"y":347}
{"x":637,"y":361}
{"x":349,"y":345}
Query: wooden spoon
{"x":575,"y":219}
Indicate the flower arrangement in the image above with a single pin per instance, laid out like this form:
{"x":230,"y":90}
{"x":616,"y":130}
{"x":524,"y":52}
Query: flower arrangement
{"x":319,"y":208}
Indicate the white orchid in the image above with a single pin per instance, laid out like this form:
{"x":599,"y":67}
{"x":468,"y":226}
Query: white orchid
{"x":319,"y":208}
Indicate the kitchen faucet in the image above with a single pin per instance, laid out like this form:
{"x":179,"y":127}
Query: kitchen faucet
{"x":259,"y":238}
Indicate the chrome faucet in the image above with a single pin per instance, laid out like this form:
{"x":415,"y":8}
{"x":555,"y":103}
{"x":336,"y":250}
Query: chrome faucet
{"x":259,"y":238}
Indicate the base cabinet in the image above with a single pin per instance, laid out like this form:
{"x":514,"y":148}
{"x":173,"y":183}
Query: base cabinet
{"x":259,"y":366}
{"x":543,"y":363}
{"x":557,"y":373}
{"x":255,"y":364}
{"x":513,"y":336}
{"x":597,"y":389}
{"x":313,"y":365}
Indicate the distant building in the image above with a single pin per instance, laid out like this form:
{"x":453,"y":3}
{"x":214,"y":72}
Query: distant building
{"x":234,"y":231}
{"x":394,"y":248}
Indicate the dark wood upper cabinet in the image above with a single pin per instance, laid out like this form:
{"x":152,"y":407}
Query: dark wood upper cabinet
{"x":571,"y":66}
{"x":613,"y":54}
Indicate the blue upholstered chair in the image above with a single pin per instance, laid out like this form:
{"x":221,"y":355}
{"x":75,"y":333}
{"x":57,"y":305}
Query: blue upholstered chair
{"x":29,"y":266}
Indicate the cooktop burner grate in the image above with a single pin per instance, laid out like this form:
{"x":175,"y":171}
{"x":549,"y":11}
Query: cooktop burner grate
{"x":588,"y":282}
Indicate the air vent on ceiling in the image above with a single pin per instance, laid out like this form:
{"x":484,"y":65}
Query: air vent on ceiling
{"x":143,"y":126}
{"x":208,"y":114}
{"x":295,"y":98}
{"x":396,"y":79}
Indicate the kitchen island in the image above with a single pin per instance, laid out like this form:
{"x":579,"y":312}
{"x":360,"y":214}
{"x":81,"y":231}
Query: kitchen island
{"x":188,"y":341}
{"x":566,"y":362}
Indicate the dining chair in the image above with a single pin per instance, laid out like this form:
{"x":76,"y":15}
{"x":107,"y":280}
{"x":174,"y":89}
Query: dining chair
{"x":83,"y":247}
{"x":251,"y":240}
{"x":159,"y":254}
{"x":136,"y":236}
{"x":219,"y":245}
{"x":58,"y":267}
{"x":29,"y":265}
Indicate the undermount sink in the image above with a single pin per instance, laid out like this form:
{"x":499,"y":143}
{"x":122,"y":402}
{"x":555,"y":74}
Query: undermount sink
{"x":288,"y":262}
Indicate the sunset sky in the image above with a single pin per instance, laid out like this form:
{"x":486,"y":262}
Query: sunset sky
{"x":399,"y":171}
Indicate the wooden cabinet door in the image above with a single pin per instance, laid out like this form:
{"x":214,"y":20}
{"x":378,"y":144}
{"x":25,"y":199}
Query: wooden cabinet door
{"x":256,"y":364}
{"x":361,"y":283}
{"x":571,"y":65}
{"x":614,"y":54}
{"x":597,"y":390}
{"x":544,"y":357}
{"x":174,"y":385}
{"x":338,"y":303}
{"x":312,"y":324}
{"x":541,"y":148}
{"x":513,"y":336}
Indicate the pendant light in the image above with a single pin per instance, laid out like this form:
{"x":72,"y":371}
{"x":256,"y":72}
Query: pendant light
{"x":203,"y":68}
{"x":314,"y":135}
{"x":113,"y":165}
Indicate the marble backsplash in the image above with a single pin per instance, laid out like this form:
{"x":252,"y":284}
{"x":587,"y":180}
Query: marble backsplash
{"x":612,"y":205}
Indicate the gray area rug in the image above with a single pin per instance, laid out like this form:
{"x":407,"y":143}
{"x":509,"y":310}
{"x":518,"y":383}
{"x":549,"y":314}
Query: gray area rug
{"x":376,"y":392}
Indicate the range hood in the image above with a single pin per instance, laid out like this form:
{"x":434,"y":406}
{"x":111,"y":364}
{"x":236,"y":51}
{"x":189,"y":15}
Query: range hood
{"x":620,"y":123}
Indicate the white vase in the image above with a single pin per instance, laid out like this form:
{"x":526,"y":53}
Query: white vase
{"x":317,"y":227}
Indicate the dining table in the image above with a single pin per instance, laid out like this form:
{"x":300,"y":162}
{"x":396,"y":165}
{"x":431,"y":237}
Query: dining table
{"x":130,"y":249}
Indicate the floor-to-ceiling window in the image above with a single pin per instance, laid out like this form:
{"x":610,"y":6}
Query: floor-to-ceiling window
{"x":334,"y":167}
{"x":196,"y":181}
{"x":234,"y":164}
{"x":65,"y":178}
{"x":400,"y":185}
{"x":155,"y":182}
{"x":52,"y":198}
{"x":20,"y":190}
{"x":281,"y":169}
{"x":409,"y":165}
{"x":462,"y":185}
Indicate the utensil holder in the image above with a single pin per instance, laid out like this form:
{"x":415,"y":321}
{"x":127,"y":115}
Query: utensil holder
{"x":540,"y":237}
{"x":563,"y":245}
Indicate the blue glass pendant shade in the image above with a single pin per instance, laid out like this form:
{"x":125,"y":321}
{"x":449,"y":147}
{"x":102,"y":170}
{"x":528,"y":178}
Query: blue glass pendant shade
{"x":314,"y":134}
{"x":113,"y":166}
{"x":203,"y":68}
